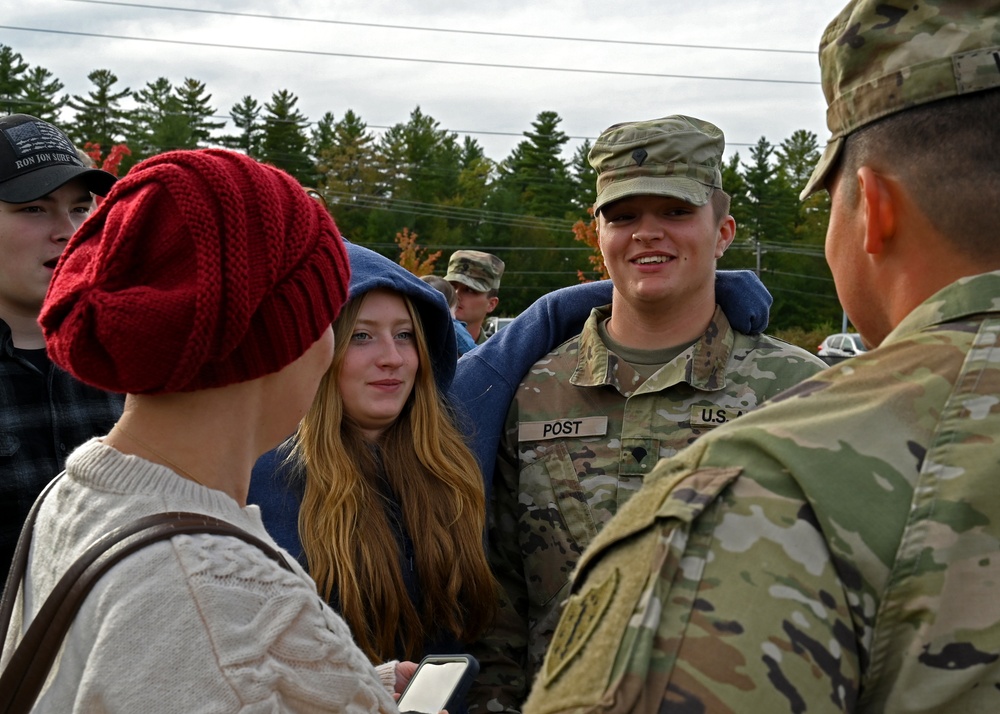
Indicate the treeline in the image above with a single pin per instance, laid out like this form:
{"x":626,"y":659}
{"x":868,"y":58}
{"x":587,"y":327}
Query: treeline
{"x":443,"y":188}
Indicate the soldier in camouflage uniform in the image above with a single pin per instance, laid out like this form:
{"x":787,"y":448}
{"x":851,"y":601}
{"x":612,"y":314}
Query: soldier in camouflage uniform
{"x":838,"y":550}
{"x":475,"y":275}
{"x":648,"y":375}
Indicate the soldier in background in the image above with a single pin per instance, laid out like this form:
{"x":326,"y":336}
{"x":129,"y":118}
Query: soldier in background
{"x":475,"y":275}
{"x":837,"y":549}
{"x":650,"y":373}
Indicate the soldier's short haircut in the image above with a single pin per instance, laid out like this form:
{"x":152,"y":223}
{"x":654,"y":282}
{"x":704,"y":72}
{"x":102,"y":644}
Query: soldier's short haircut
{"x":721,"y":202}
{"x":947,"y":153}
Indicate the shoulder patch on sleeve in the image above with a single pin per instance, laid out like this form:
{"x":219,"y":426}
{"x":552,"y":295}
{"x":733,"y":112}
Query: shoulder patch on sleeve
{"x":581,"y":615}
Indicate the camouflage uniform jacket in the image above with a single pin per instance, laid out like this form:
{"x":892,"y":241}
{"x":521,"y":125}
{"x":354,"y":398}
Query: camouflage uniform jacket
{"x":581,"y":434}
{"x":837,"y":550}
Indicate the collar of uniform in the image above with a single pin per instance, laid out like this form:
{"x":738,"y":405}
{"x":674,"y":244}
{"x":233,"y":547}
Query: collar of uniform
{"x":6,"y":340}
{"x":971,"y":295}
{"x":703,"y":365}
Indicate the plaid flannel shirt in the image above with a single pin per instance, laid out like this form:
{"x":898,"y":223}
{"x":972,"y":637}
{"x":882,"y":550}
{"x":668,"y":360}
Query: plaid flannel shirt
{"x":43,"y":417}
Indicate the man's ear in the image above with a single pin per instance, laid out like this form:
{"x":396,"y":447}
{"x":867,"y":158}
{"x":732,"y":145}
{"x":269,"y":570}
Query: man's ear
{"x":491,"y":304}
{"x":726,"y":233}
{"x":879,"y":198}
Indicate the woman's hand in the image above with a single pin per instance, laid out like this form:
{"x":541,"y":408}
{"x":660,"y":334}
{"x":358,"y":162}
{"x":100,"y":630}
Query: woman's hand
{"x":404,"y":673}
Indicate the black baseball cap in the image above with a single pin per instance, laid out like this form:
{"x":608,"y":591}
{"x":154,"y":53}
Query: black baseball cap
{"x":36,"y":159}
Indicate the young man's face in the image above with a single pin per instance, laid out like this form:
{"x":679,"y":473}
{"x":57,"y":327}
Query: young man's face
{"x":32,"y":236}
{"x":660,"y":250}
{"x":472,"y":306}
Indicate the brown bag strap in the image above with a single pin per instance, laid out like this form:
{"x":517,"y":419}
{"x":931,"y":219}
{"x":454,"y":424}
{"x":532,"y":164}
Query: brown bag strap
{"x":28,"y":667}
{"x":20,"y":562}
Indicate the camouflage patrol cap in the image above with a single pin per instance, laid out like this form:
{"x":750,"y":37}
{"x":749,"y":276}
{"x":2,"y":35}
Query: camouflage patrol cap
{"x":675,"y":156}
{"x":878,"y":58}
{"x":475,"y":269}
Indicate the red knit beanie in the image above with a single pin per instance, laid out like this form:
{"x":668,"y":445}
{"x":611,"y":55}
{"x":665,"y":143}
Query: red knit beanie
{"x":200,"y":269}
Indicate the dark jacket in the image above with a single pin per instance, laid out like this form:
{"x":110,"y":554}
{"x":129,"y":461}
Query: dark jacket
{"x":44,"y":415}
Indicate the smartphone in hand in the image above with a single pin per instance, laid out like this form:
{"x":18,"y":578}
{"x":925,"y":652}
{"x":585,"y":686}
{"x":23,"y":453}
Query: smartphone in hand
{"x":440,"y":682}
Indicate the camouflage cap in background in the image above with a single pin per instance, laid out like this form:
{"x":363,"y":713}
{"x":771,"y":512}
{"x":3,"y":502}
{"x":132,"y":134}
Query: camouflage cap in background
{"x":675,"y":156}
{"x":878,"y":58}
{"x":475,"y":269}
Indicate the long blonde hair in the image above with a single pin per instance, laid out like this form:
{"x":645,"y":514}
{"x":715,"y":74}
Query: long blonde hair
{"x":348,"y":540}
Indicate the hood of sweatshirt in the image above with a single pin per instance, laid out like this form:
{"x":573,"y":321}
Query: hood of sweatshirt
{"x":370,"y":270}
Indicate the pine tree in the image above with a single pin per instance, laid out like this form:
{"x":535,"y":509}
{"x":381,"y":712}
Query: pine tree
{"x":584,"y":178}
{"x":534,"y":181}
{"x":99,"y":116}
{"x":539,"y":171}
{"x":475,"y":177}
{"x":743,"y":251}
{"x":797,"y":156}
{"x":772,"y":202}
{"x":814,"y":299}
{"x":196,"y":108}
{"x":323,"y":135}
{"x":158,"y":124}
{"x":41,"y":92}
{"x":472,"y":153}
{"x":420,"y":173}
{"x":13,"y":77}
{"x":423,"y":157}
{"x":284,"y":142}
{"x":246,"y":117}
{"x":349,"y":169}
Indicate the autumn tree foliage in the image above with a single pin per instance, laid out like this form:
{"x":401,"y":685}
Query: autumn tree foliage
{"x":412,"y":256}
{"x":112,"y":161}
{"x":587,"y":233}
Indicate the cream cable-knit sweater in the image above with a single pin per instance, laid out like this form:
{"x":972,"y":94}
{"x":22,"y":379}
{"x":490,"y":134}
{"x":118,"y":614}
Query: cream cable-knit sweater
{"x":194,"y":624}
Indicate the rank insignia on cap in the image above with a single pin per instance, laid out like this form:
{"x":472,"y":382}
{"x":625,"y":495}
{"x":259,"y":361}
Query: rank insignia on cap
{"x":639,"y":155}
{"x":580,"y":618}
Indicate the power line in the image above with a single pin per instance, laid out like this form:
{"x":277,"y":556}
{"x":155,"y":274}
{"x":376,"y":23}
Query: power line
{"x":310,"y":123}
{"x":780,"y":289}
{"x":517,"y":35}
{"x":497,"y":249}
{"x":800,"y":275}
{"x":488,"y":65}
{"x":430,"y":210}
{"x":811,"y":251}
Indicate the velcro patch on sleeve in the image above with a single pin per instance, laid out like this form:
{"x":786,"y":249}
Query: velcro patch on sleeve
{"x":580,"y":617}
{"x":977,"y":70}
{"x":562,"y":428}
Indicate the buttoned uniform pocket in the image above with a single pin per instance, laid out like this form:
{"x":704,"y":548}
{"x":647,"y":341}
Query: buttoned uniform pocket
{"x":614,"y":647}
{"x":556,"y":523}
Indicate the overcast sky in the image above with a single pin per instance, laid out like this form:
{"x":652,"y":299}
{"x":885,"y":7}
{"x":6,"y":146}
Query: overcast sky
{"x":374,"y":69}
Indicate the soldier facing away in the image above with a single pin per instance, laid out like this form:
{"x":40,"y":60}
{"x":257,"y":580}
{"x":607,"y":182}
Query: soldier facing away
{"x":837,"y":549}
{"x":650,"y":373}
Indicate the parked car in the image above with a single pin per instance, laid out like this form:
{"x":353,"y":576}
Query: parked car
{"x":843,"y":344}
{"x":495,"y":324}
